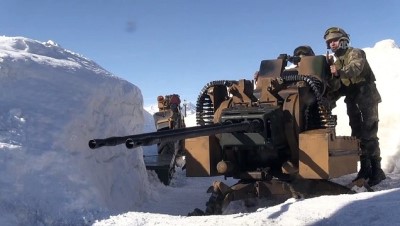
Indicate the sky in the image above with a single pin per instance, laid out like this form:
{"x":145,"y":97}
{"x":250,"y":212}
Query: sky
{"x":53,"y":101}
{"x":178,"y":46}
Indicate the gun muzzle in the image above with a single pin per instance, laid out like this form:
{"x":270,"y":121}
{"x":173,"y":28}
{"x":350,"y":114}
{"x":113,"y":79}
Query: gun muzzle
{"x":96,"y":143}
{"x":111,"y":141}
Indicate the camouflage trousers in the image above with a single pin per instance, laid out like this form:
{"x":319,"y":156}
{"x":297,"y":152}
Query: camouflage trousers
{"x":363,"y":120}
{"x":362,"y":108}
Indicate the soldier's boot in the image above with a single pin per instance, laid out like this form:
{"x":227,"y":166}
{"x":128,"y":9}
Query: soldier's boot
{"x":365,"y":170}
{"x":377,"y":174}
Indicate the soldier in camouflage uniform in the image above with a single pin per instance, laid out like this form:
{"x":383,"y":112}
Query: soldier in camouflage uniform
{"x":361,"y":97}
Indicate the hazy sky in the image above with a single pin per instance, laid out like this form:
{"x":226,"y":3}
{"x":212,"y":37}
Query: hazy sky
{"x":178,"y":46}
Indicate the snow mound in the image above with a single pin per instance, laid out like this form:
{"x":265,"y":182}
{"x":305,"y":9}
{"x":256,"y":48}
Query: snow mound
{"x":386,"y":44}
{"x":52,"y":103}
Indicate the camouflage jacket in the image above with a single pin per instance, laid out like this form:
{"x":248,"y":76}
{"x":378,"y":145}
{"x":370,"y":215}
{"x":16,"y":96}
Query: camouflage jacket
{"x":353,"y":67}
{"x":356,"y":76}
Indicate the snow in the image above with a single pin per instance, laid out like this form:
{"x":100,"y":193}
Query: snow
{"x":53,"y":101}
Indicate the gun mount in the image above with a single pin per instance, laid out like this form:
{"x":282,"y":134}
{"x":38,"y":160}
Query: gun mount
{"x":277,"y":136}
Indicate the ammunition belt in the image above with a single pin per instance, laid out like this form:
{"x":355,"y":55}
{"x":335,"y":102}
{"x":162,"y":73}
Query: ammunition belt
{"x":204,"y":106}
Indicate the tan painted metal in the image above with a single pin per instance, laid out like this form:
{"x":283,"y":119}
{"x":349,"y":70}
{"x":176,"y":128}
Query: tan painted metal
{"x":202,"y":156}
{"x":322,"y":155}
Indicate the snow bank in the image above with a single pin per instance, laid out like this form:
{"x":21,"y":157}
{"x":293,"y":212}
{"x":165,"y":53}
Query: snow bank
{"x":52,"y":101}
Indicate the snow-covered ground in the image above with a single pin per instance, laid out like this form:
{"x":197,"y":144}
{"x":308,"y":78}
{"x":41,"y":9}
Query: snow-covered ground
{"x":52,"y":101}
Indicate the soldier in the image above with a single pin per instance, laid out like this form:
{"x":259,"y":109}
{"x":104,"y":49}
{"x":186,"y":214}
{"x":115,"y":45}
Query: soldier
{"x":300,"y":51}
{"x":303,"y":51}
{"x":361,"y":97}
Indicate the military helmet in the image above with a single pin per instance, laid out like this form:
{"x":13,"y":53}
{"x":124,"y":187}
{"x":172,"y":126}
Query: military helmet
{"x":336,"y":33}
{"x":303,"y":51}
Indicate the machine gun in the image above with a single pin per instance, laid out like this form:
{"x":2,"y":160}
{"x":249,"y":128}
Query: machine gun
{"x":278,"y":139}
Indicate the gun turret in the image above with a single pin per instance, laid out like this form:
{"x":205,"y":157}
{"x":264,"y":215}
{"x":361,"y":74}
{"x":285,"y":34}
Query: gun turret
{"x":282,"y":130}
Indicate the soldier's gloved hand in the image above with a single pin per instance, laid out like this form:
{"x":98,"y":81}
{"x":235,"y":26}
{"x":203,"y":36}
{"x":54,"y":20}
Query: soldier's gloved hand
{"x":330,"y":59}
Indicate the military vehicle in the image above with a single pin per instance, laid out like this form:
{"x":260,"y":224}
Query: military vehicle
{"x":275,"y":135}
{"x":168,"y":117}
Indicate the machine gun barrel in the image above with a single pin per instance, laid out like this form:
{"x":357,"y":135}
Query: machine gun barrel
{"x":111,"y":141}
{"x":190,"y":132}
{"x":146,"y":139}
